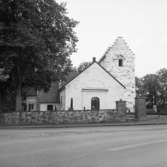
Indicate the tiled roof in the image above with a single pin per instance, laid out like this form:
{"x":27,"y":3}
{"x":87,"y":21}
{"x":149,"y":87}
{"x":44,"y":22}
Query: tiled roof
{"x":50,"y":96}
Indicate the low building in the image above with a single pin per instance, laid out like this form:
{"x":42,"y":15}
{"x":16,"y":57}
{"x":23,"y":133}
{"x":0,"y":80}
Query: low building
{"x":41,"y":100}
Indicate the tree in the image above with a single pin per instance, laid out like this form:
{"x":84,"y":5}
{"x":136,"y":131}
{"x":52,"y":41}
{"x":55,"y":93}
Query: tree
{"x":162,"y":76}
{"x":3,"y":79}
{"x":139,"y":87}
{"x":151,"y":86}
{"x":36,"y":39}
{"x":72,"y":74}
{"x":83,"y":66}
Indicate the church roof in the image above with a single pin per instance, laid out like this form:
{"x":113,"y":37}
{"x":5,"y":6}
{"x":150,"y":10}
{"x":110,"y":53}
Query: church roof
{"x":94,"y":61}
{"x":112,"y":76}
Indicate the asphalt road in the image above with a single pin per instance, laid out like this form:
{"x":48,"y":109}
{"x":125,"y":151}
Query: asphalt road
{"x":134,"y":146}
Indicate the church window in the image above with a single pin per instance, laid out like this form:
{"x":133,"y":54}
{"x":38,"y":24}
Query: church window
{"x":120,"y":62}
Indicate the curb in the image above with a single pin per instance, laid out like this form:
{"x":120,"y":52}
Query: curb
{"x":79,"y":125}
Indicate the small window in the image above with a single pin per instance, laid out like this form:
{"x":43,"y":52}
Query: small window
{"x":50,"y":107}
{"x":31,"y":107}
{"x":120,"y":62}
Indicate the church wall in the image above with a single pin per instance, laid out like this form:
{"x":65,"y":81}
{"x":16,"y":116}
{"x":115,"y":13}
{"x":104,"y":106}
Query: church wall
{"x":126,"y":73}
{"x":97,"y":84}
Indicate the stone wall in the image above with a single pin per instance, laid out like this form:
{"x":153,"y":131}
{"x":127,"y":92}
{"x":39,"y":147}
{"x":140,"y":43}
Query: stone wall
{"x":62,"y":117}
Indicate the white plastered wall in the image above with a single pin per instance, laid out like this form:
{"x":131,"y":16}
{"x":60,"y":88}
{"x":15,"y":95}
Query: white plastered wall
{"x":125,"y":74}
{"x":96,"y":79}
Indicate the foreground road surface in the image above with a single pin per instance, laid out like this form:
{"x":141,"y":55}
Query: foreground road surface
{"x":138,"y":146}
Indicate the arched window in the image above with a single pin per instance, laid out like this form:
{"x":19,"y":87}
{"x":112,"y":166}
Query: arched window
{"x":95,"y":103}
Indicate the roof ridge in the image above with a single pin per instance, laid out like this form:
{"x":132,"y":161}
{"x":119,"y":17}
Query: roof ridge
{"x":111,"y":75}
{"x":77,"y":75}
{"x":87,"y":68}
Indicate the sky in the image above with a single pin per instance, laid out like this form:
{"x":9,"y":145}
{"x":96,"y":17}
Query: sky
{"x":142,"y":24}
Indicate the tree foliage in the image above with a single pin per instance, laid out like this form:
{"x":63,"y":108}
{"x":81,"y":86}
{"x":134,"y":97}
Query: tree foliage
{"x":36,"y":39}
{"x":83,"y":66}
{"x":151,"y":84}
{"x":154,"y":87}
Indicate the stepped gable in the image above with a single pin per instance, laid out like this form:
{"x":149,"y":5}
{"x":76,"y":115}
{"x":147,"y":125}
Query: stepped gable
{"x":119,"y":44}
{"x":125,"y":73}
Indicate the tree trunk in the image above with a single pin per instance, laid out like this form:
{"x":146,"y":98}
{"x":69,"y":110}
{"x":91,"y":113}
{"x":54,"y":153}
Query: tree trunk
{"x":1,"y":103}
{"x":19,"y":98}
{"x":19,"y":89}
{"x":2,"y":99}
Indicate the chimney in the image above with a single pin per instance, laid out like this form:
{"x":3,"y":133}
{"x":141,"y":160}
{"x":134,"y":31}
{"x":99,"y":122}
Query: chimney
{"x":94,"y":59}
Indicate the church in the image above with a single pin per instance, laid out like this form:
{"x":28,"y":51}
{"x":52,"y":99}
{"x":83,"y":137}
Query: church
{"x":98,"y":87}
{"x":103,"y":82}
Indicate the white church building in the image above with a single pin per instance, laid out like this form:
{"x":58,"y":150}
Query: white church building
{"x":103,"y":82}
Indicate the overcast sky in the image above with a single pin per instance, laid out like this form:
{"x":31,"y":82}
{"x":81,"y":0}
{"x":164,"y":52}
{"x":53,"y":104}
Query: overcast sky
{"x":142,"y":23}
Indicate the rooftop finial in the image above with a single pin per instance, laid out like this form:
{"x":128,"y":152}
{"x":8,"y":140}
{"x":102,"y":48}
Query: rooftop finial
{"x":94,"y":59}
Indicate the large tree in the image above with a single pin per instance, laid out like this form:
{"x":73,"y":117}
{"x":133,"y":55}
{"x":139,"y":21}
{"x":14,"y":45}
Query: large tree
{"x":36,"y":39}
{"x":3,"y":86}
{"x":162,"y":76}
{"x":151,"y":86}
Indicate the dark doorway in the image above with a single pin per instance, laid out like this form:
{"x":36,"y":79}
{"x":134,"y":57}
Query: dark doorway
{"x":49,"y":107}
{"x":95,"y":103}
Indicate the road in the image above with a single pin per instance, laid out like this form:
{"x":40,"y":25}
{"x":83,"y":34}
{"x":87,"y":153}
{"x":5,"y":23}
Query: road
{"x":133,"y":146}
